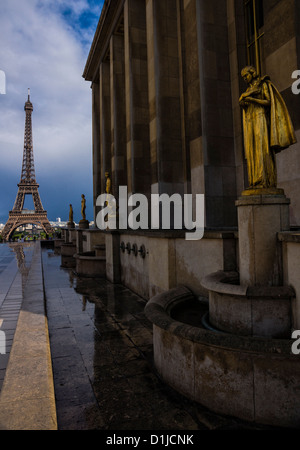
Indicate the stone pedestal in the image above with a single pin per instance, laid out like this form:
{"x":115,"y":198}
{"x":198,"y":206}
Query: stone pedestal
{"x":89,"y":265}
{"x":100,"y":250}
{"x":255,"y":302}
{"x":57,"y":244}
{"x":67,"y":252}
{"x":71,"y":224}
{"x":248,"y":310}
{"x":113,"y":267}
{"x":83,"y":224}
{"x":260,"y":218}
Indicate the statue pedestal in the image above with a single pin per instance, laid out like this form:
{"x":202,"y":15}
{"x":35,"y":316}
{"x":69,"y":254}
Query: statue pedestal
{"x":254,"y":302}
{"x":71,"y":224}
{"x":84,"y":224}
{"x":260,"y":218}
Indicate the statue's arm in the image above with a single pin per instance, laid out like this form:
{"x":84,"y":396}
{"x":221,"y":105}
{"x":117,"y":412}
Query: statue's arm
{"x":264,"y":101}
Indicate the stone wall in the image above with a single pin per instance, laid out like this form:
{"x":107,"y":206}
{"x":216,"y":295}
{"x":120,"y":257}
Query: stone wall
{"x":166,"y":119}
{"x":166,"y":83}
{"x":170,"y":261}
{"x":291,"y":258}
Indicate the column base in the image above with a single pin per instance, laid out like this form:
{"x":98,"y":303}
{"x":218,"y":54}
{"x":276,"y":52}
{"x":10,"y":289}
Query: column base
{"x":84,"y":224}
{"x":262,"y":191}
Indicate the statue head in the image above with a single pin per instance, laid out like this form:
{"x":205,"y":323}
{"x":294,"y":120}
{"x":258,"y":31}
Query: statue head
{"x":106,"y":174}
{"x":248,"y":74}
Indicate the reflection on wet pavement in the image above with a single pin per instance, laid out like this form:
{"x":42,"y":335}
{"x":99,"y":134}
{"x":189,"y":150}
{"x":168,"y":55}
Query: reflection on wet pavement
{"x":15,"y":261}
{"x":101,"y":349}
{"x":101,"y":346}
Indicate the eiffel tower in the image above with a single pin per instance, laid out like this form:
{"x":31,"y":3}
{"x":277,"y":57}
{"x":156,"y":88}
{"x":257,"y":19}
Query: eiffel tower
{"x":27,"y":186}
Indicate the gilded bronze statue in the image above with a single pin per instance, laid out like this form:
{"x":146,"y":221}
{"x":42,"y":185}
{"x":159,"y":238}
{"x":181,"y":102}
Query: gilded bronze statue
{"x":71,"y":214}
{"x":267,"y":128}
{"x":83,"y":206}
{"x":108,"y":183}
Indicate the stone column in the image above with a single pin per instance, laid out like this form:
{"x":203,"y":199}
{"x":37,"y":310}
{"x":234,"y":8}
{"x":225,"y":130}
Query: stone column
{"x":137,"y":108}
{"x":113,"y":266}
{"x":79,"y":241}
{"x":105,"y":121}
{"x":217,"y":143}
{"x":118,"y":113}
{"x":96,"y":145}
{"x":260,"y":218}
{"x":164,"y":97}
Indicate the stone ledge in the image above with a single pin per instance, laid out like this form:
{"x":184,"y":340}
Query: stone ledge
{"x":289,"y":236}
{"x":262,"y":200}
{"x":227,"y":283}
{"x":176,"y":234}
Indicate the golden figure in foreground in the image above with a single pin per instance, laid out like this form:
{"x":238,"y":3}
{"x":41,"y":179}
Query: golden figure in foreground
{"x":267,"y":129}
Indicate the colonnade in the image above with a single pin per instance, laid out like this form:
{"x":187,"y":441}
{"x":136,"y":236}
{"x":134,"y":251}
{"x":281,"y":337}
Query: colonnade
{"x":157,"y":67}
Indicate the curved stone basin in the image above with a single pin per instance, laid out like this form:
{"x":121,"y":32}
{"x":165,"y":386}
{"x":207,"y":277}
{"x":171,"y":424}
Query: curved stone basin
{"x":90,"y":265}
{"x":67,"y":251}
{"x":252,"y":378}
{"x":250,"y":311}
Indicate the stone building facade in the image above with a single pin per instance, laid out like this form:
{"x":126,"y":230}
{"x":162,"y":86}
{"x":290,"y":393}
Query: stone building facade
{"x":166,"y":82}
{"x":165,"y":79}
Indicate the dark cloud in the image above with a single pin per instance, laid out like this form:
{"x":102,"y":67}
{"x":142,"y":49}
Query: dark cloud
{"x":44,"y":46}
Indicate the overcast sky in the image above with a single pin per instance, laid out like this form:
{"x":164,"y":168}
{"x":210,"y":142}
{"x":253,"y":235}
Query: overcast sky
{"x":44,"y":45}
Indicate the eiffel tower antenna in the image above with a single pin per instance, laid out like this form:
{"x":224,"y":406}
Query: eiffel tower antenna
{"x":27,"y":186}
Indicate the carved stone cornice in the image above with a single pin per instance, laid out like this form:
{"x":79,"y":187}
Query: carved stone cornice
{"x":108,"y":22}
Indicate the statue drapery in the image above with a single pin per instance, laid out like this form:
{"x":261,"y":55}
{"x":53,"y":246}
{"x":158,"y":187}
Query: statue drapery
{"x":267,"y":128}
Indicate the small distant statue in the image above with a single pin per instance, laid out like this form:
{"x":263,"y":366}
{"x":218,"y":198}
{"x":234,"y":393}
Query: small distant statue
{"x":108,"y":183}
{"x":109,"y":201}
{"x":267,"y":128}
{"x":71,"y":223}
{"x":107,"y":188}
{"x":83,"y":206}
{"x":71,"y":214}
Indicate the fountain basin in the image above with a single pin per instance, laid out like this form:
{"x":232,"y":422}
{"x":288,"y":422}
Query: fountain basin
{"x":67,"y":251}
{"x":243,"y":310}
{"x":251,"y":378}
{"x":89,"y":265}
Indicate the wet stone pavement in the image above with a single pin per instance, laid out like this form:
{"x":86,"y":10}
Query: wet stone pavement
{"x":101,"y":350}
{"x":15,"y":260}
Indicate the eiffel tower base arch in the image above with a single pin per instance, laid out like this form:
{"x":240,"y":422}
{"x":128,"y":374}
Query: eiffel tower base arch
{"x":16,"y":220}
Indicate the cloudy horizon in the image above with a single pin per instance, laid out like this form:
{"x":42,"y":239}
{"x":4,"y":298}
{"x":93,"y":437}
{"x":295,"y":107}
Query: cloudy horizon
{"x":44,"y":47}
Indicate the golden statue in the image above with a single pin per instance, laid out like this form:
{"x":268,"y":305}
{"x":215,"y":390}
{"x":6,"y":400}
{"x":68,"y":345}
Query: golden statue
{"x":108,"y":183}
{"x":71,"y":214}
{"x":267,"y":128}
{"x":83,"y":206}
{"x":108,"y":203}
